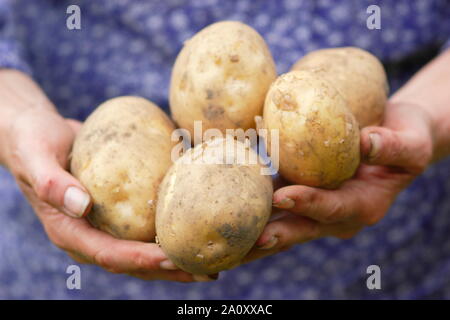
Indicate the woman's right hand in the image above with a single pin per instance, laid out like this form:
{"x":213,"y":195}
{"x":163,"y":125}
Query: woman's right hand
{"x":37,"y":147}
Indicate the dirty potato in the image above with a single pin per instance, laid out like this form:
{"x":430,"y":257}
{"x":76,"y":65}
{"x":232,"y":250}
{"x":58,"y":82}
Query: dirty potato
{"x":357,"y":75}
{"x":318,"y":135}
{"x":211,"y":210}
{"x":121,"y":155}
{"x":221,"y":77}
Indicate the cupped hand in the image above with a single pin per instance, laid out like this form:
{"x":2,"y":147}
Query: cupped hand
{"x":39,"y":144}
{"x":392,"y":154}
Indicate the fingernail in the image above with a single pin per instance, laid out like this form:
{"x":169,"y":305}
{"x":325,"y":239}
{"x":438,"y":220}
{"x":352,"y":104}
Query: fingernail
{"x":76,"y":202}
{"x":203,"y":277}
{"x":269,"y":244}
{"x":168,"y":265}
{"x":286,"y":203}
{"x":375,"y":143}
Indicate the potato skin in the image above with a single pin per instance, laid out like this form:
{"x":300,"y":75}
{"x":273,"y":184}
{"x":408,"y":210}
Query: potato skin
{"x":318,"y":135}
{"x":221,"y":77}
{"x":210,"y":215}
{"x":121,"y":155}
{"x":357,"y":75}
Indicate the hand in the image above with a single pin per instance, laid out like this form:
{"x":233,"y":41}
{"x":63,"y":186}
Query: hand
{"x":39,"y":142}
{"x":392,"y":155}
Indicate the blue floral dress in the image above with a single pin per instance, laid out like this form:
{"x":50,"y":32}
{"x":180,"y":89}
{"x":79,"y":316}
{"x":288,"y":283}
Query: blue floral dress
{"x":128,"y":47}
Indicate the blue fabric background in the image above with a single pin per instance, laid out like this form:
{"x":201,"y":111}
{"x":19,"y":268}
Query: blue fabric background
{"x":128,"y":47}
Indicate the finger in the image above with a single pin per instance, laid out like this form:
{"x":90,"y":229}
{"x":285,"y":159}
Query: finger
{"x":164,"y":275}
{"x":55,"y":186}
{"x":408,"y":149}
{"x":145,"y":275}
{"x":326,"y":206}
{"x":179,"y":276}
{"x":43,"y":158}
{"x":284,"y":233}
{"x":281,"y":234}
{"x":97,"y":247}
{"x":74,"y":124}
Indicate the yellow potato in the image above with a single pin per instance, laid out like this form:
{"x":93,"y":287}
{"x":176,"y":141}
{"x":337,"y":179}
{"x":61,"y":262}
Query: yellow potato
{"x":221,"y":77}
{"x":211,"y":211}
{"x":357,"y":75}
{"x":318,"y":135}
{"x":121,"y":155}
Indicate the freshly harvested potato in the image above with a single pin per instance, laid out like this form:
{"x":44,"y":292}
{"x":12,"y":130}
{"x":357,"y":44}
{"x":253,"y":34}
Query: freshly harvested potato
{"x":318,"y":135}
{"x":357,"y":75}
{"x":221,"y":77}
{"x":121,"y":155}
{"x":211,"y":210}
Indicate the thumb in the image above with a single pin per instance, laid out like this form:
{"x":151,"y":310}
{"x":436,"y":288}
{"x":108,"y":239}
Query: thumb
{"x":407,"y":148}
{"x":57,"y":187}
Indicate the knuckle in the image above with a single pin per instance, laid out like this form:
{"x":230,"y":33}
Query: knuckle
{"x":101,"y":258}
{"x":310,"y":231}
{"x":43,"y":186}
{"x":392,"y":148}
{"x":394,"y":142}
{"x":140,"y":261}
{"x":335,"y":212}
{"x":312,"y":197}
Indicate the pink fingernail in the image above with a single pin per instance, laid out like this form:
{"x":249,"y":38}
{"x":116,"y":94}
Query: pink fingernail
{"x":375,"y":144}
{"x":168,"y":265}
{"x":286,"y":203}
{"x":269,"y":244}
{"x":76,"y":202}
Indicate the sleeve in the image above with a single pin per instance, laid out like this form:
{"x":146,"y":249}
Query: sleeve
{"x":11,"y":49}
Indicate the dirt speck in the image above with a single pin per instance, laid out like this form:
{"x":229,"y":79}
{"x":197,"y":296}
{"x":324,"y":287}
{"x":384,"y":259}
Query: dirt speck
{"x":235,"y":236}
{"x":110,"y":136}
{"x":183,"y":82}
{"x":209,"y":94}
{"x":213,"y":111}
{"x":234,"y":58}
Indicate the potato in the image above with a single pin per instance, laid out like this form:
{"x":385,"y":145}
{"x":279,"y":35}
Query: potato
{"x":357,"y":75}
{"x":318,"y":135}
{"x":121,"y":155}
{"x":210,"y":213}
{"x":221,"y":77}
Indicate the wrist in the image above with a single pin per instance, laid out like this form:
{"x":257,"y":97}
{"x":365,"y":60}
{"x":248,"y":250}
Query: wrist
{"x":18,"y":134}
{"x":19,"y":95}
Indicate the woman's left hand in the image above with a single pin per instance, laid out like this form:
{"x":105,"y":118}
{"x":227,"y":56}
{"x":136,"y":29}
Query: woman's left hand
{"x":392,"y":156}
